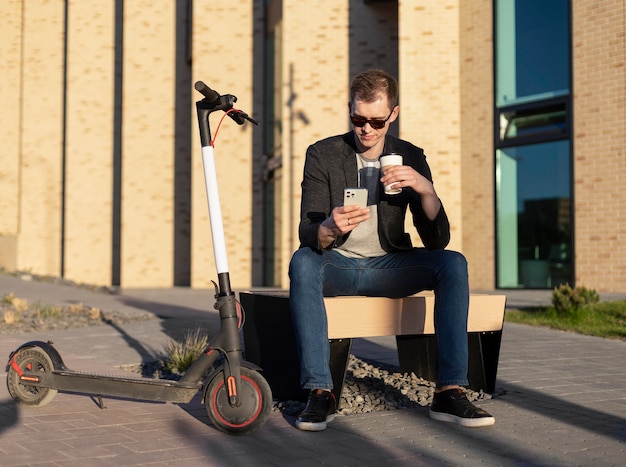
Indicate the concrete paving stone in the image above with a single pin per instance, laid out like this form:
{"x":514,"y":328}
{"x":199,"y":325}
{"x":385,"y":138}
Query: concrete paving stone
{"x":88,"y":441}
{"x":170,"y":457}
{"x":364,"y":457}
{"x":34,"y":456}
{"x":380,"y":453}
{"x":94,"y":462}
{"x":304,"y":462}
{"x":20,"y":461}
{"x":87,"y":453}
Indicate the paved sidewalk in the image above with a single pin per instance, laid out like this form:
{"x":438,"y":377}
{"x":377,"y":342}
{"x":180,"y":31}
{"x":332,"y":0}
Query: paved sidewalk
{"x":560,"y":401}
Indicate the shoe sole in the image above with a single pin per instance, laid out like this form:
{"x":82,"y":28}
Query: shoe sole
{"x":315,"y":426}
{"x":466,"y":422}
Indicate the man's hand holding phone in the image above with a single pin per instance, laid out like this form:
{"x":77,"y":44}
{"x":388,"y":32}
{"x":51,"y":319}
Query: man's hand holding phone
{"x":344,"y":219}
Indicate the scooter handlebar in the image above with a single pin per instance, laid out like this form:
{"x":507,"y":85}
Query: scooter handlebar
{"x":206,"y":91}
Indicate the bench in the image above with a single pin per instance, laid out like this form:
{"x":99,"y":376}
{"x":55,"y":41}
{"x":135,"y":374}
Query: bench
{"x":270,"y":342}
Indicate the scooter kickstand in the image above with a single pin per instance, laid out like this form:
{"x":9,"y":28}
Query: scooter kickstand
{"x":101,"y":402}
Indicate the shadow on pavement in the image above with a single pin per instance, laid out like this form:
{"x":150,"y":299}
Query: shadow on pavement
{"x":9,"y":414}
{"x":176,"y":320}
{"x":567,"y":413}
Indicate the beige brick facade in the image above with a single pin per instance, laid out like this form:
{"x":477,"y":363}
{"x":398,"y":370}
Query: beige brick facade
{"x":477,"y":151}
{"x":147,"y":144}
{"x":100,"y":170}
{"x":10,"y":92}
{"x":599,"y":77}
{"x":89,"y":144}
{"x":35,"y":102}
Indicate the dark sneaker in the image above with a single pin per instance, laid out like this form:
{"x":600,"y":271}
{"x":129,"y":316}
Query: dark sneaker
{"x":320,"y":409}
{"x":452,"y":406}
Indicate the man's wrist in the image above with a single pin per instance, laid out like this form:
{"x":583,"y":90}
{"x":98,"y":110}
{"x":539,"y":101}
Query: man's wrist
{"x":325,"y":236}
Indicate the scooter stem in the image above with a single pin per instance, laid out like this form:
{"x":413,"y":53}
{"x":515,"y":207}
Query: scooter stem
{"x":215,"y":210}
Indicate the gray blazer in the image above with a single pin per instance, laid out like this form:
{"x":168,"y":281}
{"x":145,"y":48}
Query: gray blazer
{"x":331,"y":166}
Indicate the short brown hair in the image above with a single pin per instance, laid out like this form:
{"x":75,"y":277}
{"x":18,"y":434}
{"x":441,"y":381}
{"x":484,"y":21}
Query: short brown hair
{"x":368,"y":84}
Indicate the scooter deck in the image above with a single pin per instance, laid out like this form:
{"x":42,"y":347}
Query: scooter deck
{"x":160,"y":390}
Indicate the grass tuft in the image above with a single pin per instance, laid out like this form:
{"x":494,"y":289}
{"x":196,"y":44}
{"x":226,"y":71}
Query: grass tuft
{"x":181,"y":354}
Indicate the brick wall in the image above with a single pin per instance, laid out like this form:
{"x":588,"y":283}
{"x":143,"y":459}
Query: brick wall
{"x":10,"y":92}
{"x":89,"y":144}
{"x":599,"y":140}
{"x":39,"y":115}
{"x":477,"y":161}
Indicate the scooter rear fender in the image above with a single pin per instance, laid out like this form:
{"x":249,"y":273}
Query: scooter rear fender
{"x":55,"y":357}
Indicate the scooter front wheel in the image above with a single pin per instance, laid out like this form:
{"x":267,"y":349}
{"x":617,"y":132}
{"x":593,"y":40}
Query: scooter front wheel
{"x":255,"y":403}
{"x":32,"y":359}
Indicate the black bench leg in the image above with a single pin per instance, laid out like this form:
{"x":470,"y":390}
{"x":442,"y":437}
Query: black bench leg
{"x":418,"y":354}
{"x":339,"y":355}
{"x":484,"y":353}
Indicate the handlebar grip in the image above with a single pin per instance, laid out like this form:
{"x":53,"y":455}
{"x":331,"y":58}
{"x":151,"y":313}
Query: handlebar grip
{"x":206,"y":91}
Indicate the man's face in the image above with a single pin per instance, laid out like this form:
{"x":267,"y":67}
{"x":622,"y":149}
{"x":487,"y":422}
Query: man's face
{"x":368,"y":137}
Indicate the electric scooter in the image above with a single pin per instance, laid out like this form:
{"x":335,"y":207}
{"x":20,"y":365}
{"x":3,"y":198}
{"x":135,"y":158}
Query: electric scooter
{"x":237,"y":398}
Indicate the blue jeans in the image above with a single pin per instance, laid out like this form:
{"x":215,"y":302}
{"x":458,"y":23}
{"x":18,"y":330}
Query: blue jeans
{"x":399,"y":274}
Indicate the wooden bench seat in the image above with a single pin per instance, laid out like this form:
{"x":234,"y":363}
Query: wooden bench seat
{"x":379,"y":316}
{"x":270,"y":342}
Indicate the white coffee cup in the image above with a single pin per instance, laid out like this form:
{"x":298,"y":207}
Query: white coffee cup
{"x":387,"y":161}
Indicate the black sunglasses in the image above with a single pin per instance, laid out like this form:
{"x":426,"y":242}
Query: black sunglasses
{"x":375,"y":123}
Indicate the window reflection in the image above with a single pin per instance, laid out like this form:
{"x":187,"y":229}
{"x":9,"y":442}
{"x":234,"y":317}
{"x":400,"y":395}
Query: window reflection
{"x":549,"y":121}
{"x":532,"y":50}
{"x":534,"y":215}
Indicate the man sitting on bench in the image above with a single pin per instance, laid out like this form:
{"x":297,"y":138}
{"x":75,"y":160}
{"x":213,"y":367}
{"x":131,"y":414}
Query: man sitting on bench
{"x":352,"y":250}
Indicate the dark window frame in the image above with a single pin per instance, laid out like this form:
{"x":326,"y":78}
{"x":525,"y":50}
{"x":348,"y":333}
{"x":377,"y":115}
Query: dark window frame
{"x":538,"y":109}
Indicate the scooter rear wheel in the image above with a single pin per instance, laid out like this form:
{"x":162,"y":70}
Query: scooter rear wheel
{"x":31,"y":359}
{"x":255,"y":403}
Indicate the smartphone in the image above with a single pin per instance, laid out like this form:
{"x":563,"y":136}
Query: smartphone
{"x":356,"y":196}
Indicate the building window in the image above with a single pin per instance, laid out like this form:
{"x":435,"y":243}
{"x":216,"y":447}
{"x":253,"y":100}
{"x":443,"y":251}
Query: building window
{"x":532,"y":139}
{"x":532,"y":50}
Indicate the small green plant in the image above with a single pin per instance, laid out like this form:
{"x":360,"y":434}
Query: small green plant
{"x":48,"y":311}
{"x":567,"y":300}
{"x":181,"y":354}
